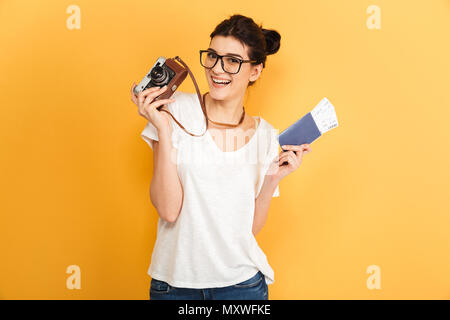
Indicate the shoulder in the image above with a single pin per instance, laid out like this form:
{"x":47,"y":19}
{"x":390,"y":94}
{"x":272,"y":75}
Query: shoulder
{"x":266,"y":124}
{"x":268,"y":129}
{"x":269,"y":136}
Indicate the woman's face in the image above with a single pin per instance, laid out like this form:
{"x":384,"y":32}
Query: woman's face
{"x":239,"y":81}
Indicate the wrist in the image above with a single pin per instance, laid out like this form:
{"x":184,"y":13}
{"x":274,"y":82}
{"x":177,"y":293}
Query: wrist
{"x":272,"y":180}
{"x":164,"y":132}
{"x":165,"y":139}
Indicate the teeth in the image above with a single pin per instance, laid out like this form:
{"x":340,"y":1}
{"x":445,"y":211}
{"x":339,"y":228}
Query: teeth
{"x":221,"y":81}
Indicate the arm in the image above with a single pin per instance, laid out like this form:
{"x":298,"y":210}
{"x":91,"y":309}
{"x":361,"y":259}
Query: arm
{"x":276,"y":172}
{"x":166,"y":192}
{"x":262,"y":203}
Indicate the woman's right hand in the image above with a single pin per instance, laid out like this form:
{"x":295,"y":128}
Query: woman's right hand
{"x":147,"y":106}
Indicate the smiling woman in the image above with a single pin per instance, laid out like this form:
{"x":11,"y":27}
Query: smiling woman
{"x":207,"y":249}
{"x":242,"y":48}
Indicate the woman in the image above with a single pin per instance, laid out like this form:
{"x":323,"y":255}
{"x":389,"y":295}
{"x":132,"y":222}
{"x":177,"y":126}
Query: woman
{"x":213,"y":191}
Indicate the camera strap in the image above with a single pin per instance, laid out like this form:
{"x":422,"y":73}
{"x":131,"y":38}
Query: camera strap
{"x":199,"y":98}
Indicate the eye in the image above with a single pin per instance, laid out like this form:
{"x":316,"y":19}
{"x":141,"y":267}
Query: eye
{"x":212,"y":55}
{"x":232,"y":60}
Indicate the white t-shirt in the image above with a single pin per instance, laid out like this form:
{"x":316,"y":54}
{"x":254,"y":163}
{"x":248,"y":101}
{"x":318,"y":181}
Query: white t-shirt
{"x":211,"y":243}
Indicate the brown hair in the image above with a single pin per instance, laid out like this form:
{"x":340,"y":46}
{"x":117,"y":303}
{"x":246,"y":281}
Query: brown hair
{"x":261,"y":42}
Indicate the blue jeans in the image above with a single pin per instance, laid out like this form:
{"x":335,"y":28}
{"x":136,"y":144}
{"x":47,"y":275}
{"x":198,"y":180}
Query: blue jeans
{"x":254,"y":288}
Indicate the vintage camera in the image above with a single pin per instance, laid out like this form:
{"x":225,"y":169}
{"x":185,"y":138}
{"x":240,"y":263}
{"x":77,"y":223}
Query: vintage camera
{"x":164,"y":72}
{"x":169,"y":72}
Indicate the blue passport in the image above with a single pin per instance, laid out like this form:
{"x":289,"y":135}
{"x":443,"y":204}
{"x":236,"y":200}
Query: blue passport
{"x":311,"y":126}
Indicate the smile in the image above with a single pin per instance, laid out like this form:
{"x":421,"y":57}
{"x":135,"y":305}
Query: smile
{"x":220,"y":82}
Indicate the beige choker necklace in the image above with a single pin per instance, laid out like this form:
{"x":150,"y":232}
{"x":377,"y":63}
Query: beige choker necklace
{"x":220,"y":123}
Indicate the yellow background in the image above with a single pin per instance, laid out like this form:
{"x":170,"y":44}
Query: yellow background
{"x":75,"y":173}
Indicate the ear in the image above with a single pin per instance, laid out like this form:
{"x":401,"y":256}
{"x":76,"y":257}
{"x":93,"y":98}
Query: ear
{"x":255,"y":72}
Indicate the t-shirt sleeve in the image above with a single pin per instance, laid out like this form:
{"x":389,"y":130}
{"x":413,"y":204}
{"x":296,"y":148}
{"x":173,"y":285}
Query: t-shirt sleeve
{"x":271,"y":153}
{"x":150,"y":133}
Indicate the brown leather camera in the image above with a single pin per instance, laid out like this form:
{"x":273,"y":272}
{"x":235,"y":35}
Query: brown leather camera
{"x":175,"y":82}
{"x":163,"y":70}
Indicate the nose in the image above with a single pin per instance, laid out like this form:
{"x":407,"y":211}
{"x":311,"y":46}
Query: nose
{"x":218,"y":67}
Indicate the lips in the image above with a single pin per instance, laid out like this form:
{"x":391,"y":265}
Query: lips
{"x":220,"y":82}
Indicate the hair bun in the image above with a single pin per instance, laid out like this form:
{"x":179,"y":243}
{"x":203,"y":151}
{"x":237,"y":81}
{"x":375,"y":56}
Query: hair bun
{"x":272,"y":40}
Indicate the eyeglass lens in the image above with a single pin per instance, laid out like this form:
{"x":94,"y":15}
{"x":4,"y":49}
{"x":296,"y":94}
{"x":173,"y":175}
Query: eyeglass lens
{"x":230,"y":64}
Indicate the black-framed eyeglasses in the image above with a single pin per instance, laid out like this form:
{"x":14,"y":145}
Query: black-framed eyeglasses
{"x":230,"y":64}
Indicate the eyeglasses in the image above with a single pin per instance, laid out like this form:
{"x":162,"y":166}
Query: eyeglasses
{"x":230,"y":64}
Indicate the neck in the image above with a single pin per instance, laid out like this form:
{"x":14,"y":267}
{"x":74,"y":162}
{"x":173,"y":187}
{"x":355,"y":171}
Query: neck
{"x":228,"y":111}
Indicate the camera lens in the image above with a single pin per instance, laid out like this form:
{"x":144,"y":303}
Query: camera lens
{"x":159,"y":76}
{"x":157,"y":72}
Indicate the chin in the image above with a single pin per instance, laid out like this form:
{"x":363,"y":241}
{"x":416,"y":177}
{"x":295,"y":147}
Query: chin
{"x":221,"y":94}
{"x":218,"y":94}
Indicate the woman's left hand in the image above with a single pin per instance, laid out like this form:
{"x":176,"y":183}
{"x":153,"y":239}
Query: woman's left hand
{"x":293,"y":160}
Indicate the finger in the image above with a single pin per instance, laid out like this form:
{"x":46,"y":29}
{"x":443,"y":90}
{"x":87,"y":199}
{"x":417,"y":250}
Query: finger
{"x":295,"y":147}
{"x":151,"y":90}
{"x":291,"y":159}
{"x":151,"y":96}
{"x":285,"y":153}
{"x":158,"y":103}
{"x":164,"y":101}
{"x":307,"y":150}
{"x":291,"y":147}
{"x":290,"y":153}
{"x":295,"y":159}
{"x":133,"y":95}
{"x":284,"y":158}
